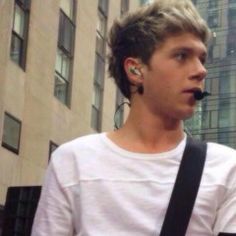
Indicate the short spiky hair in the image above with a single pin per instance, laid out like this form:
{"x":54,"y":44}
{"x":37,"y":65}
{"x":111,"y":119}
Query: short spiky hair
{"x":139,"y":33}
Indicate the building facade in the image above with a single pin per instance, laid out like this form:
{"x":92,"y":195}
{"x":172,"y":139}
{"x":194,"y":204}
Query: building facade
{"x":53,"y":84}
{"x":215,"y":118}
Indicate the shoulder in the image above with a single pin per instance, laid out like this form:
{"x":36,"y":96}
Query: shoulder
{"x":79,"y":144}
{"x":67,"y":160}
{"x":221,"y":164}
{"x":221,"y":152}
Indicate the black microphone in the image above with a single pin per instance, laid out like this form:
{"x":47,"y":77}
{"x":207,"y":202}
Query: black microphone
{"x":199,"y":95}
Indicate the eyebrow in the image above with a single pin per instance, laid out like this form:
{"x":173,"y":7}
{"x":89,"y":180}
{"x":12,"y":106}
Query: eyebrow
{"x":191,"y":50}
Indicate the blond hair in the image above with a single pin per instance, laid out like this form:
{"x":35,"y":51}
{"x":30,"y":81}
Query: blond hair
{"x":138,"y":34}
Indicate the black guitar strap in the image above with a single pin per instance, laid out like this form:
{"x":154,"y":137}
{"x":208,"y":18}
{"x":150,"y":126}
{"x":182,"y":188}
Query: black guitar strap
{"x":185,"y":189}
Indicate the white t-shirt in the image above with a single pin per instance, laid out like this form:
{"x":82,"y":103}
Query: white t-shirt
{"x":95,"y":188}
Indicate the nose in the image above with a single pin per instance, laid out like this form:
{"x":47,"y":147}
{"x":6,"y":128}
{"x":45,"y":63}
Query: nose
{"x":199,"y":71}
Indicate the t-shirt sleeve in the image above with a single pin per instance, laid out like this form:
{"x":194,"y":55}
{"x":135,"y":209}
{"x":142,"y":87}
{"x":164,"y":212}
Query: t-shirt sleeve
{"x":225,"y":223}
{"x":53,"y":215}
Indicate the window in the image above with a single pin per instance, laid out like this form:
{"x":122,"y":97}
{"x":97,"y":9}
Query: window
{"x":66,"y":34}
{"x":213,"y":4}
{"x":144,"y":2}
{"x":224,"y":82}
{"x":232,"y":4}
{"x":52,"y":147}
{"x":98,"y":92}
{"x":62,"y":77}
{"x":103,"y":6}
{"x":124,"y":6}
{"x":205,"y":119}
{"x":20,"y":32}
{"x":65,"y":51}
{"x":213,"y":20}
{"x":99,"y":72}
{"x":224,"y":114}
{"x":224,"y":137}
{"x":1,"y":218}
{"x":231,"y":46}
{"x":207,"y":84}
{"x":68,"y":7}
{"x":11,"y":133}
{"x":20,"y":207}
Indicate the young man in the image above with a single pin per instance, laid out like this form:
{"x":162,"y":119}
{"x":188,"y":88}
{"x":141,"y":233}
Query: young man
{"x":119,"y":183}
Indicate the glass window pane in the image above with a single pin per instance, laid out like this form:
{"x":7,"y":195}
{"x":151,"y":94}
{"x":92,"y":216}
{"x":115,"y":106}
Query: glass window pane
{"x":96,"y":96}
{"x":101,"y":24}
{"x":16,"y":48}
{"x":67,"y":6}
{"x":208,"y":84}
{"x":205,"y":119}
{"x":25,"y":3}
{"x":52,"y":147}
{"x":224,"y":115}
{"x":11,"y":132}
{"x":61,"y":89}
{"x":103,"y":5}
{"x":223,"y":138}
{"x":59,"y":61}
{"x":231,"y":46}
{"x":65,"y":67}
{"x":213,"y":20}
{"x":99,"y":70}
{"x":124,"y":6}
{"x":66,"y":34}
{"x":144,"y":2}
{"x":213,"y":3}
{"x":95,"y":118}
{"x":214,"y":119}
{"x":232,"y":17}
{"x":224,"y":83}
{"x":1,"y":218}
{"x":100,"y":45}
{"x":19,"y":21}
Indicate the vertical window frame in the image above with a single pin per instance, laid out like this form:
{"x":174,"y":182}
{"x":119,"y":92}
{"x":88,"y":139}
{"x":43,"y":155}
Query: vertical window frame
{"x":52,"y":147}
{"x":124,"y":7}
{"x":100,"y":55}
{"x":7,"y":145}
{"x":25,"y":7}
{"x":1,"y":218}
{"x":64,"y":20}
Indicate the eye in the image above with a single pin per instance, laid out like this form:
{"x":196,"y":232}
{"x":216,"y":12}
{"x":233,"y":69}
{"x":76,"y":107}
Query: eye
{"x":181,"y":56}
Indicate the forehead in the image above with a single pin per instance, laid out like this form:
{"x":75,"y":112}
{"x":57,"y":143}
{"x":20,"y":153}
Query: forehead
{"x":186,"y":41}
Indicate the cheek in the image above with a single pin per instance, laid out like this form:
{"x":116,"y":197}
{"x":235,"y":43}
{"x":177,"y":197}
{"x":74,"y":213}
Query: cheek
{"x":161,"y":82}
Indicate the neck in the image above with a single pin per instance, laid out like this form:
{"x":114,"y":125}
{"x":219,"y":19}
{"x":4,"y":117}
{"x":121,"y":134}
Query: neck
{"x":147,"y":132}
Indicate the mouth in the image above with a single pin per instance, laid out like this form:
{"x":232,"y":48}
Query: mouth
{"x":192,"y":91}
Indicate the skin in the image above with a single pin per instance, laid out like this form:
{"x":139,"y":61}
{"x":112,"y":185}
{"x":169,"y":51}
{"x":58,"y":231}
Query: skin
{"x":155,"y":120}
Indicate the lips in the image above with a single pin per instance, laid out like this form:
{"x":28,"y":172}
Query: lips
{"x":192,"y":90}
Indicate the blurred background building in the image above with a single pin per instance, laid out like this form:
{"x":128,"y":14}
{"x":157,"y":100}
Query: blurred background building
{"x":215,"y":119}
{"x":53,"y":83}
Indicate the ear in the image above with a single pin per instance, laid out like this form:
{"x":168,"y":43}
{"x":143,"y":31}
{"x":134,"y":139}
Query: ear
{"x":132,"y":67}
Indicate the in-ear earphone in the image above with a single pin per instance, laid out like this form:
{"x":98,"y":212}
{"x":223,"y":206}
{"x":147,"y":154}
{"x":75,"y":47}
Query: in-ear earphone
{"x":135,"y":71}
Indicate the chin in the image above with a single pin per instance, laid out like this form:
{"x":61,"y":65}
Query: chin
{"x":188,"y":114}
{"x":185,"y":114}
